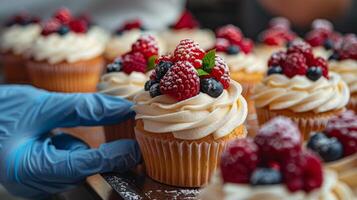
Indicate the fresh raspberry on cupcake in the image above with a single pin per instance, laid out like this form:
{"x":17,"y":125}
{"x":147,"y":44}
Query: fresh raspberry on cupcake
{"x":278,"y":33}
{"x":322,"y":34}
{"x":22,"y":19}
{"x":230,"y":40}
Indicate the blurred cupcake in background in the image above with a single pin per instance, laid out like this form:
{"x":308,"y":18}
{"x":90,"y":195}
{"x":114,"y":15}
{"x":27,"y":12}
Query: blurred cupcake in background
{"x":187,"y":27}
{"x":94,"y":30}
{"x":123,"y":38}
{"x":126,"y":76}
{"x":322,"y":38}
{"x":17,"y":36}
{"x":344,"y":62}
{"x":275,"y":38}
{"x":65,"y":57}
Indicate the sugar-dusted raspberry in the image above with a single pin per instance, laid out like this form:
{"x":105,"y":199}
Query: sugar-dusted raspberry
{"x":277,"y":36}
{"x":131,"y":24}
{"x":63,"y":15}
{"x":322,"y":63}
{"x":348,"y":49}
{"x":147,"y":45}
{"x":344,"y":128}
{"x":221,"y":72}
{"x":299,"y":46}
{"x":188,"y":50}
{"x":246,"y":45}
{"x":239,"y":161}
{"x":280,"y":22}
{"x":302,"y":172}
{"x":186,"y":21}
{"x":167,"y":57}
{"x":50,"y":26}
{"x":134,"y":61}
{"x":322,"y":24}
{"x":277,"y":59}
{"x":78,"y":26}
{"x":181,"y":81}
{"x":231,"y":33}
{"x":278,"y":139}
{"x":294,"y":64}
{"x":221,"y":45}
{"x":316,"y":37}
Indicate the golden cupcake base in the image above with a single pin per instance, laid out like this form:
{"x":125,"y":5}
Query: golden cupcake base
{"x":14,"y":68}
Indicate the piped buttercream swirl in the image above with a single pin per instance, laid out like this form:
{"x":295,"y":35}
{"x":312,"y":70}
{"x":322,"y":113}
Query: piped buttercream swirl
{"x":347,"y":69}
{"x":243,"y":62}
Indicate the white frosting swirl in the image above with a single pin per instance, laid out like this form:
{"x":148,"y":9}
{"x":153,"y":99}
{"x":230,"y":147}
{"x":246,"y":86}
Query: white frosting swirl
{"x":204,"y":37}
{"x":122,"y":85}
{"x":71,"y":47}
{"x":299,"y":94}
{"x":264,"y":51}
{"x":18,"y":39}
{"x":193,"y":118}
{"x":230,"y":191}
{"x":321,"y":52}
{"x":248,"y":63}
{"x":99,"y":33}
{"x":347,"y":69}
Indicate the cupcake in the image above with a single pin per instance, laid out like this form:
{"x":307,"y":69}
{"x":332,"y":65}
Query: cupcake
{"x":299,"y":86}
{"x":187,"y":27}
{"x":337,"y":146}
{"x":16,"y":39}
{"x":344,"y":62}
{"x":322,"y":38}
{"x":122,"y":39}
{"x":273,"y":166}
{"x":275,"y":38}
{"x":65,"y":58}
{"x":187,"y":114}
{"x":126,"y":77}
{"x":94,"y":30}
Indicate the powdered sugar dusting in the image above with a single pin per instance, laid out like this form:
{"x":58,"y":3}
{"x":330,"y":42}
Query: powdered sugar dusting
{"x":184,"y":194}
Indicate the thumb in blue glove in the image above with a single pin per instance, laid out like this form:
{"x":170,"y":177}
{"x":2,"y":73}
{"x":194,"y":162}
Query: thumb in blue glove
{"x":35,"y":165}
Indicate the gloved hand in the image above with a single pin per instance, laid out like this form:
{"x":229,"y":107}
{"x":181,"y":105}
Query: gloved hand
{"x":33,"y":164}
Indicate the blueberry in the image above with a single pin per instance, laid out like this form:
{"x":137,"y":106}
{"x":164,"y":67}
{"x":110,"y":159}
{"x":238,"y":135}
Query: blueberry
{"x":314,"y":73}
{"x":155,"y":90}
{"x":162,"y":68}
{"x":334,"y":56}
{"x":118,"y":32}
{"x":114,"y":67}
{"x":233,"y":49}
{"x":212,"y":87}
{"x":275,"y":70}
{"x":329,"y":149}
{"x":314,"y":140}
{"x":118,"y":61}
{"x":142,"y":28}
{"x":265,"y":176}
{"x":63,"y":30}
{"x":328,"y":44}
{"x":148,"y":84}
{"x":288,"y":44}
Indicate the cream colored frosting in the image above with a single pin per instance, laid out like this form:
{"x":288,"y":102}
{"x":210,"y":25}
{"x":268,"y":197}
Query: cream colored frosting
{"x":193,"y":118}
{"x":18,"y":39}
{"x":322,"y":52}
{"x":99,"y":33}
{"x":243,"y":62}
{"x":122,"y":85}
{"x":230,"y":191}
{"x":71,"y":47}
{"x":347,"y":69}
{"x":264,"y":51}
{"x":299,"y":94}
{"x":204,"y":37}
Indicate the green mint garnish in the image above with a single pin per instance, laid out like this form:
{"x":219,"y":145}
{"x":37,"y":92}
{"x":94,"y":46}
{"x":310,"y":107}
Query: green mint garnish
{"x":151,"y":62}
{"x":208,"y":60}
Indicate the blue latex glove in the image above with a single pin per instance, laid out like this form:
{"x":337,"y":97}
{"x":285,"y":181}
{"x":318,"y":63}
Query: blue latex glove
{"x":35,"y":165}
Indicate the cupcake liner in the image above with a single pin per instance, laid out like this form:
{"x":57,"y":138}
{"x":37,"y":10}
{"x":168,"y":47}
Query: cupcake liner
{"x":81,"y":76}
{"x":352,"y":104}
{"x":14,"y":68}
{"x":307,"y":123}
{"x":124,"y":130}
{"x":346,"y":169}
{"x":182,"y":163}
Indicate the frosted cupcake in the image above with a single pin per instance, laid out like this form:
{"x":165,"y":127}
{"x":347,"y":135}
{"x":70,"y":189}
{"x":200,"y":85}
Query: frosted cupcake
{"x":344,"y":62}
{"x":187,"y":27}
{"x":94,"y":30}
{"x":273,"y":167}
{"x":16,"y":39}
{"x":65,"y":57}
{"x":322,"y":38}
{"x":126,"y":77}
{"x":274,"y":39}
{"x":337,"y":146}
{"x":299,"y":86}
{"x":188,"y":112}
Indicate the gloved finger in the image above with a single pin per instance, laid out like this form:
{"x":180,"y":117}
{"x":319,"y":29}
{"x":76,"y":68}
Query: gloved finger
{"x":63,"y":141}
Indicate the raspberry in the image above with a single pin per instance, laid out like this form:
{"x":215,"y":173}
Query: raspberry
{"x":344,"y":128}
{"x":294,"y":64}
{"x":303,"y":172}
{"x":278,"y":139}
{"x":134,"y":62}
{"x":221,"y":72}
{"x":221,"y":45}
{"x":316,"y":37}
{"x":280,"y":22}
{"x":153,"y":75}
{"x":299,"y":46}
{"x":322,"y":24}
{"x":164,"y":58}
{"x":63,"y":15}
{"x":322,"y":63}
{"x":277,"y":59}
{"x":181,"y":81}
{"x":133,"y":24}
{"x":186,"y":21}
{"x":188,"y":50}
{"x":239,"y":160}
{"x":246,"y":45}
{"x":231,"y":33}
{"x":78,"y":26}
{"x":85,"y":17}
{"x":147,"y":45}
{"x":277,"y":36}
{"x":50,"y":26}
{"x":348,"y":49}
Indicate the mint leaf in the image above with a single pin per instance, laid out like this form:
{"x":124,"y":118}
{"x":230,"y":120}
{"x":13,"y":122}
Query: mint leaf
{"x":202,"y":72}
{"x":151,"y":62}
{"x":209,"y":60}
